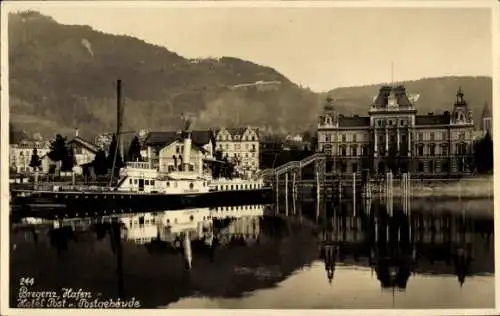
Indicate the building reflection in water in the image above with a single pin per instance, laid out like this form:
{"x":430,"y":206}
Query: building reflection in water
{"x":399,"y":245}
{"x":394,"y":247}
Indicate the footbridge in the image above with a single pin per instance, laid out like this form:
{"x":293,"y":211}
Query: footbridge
{"x":295,"y":166}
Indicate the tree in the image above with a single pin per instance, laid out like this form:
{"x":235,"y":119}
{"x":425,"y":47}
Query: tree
{"x":118,"y":163}
{"x":58,"y":150}
{"x":99,"y":163}
{"x":483,"y":154}
{"x":70,"y":161}
{"x":134,"y":151}
{"x":35,"y":162}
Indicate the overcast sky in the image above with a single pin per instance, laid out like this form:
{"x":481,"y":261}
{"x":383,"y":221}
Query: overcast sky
{"x":321,"y":48}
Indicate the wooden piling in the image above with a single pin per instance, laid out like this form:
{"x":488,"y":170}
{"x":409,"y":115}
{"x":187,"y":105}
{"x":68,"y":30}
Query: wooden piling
{"x":318,"y":195}
{"x":286,"y":194}
{"x":354,"y":194}
{"x":389,"y":193}
{"x":294,"y":192}
{"x":277,"y":194}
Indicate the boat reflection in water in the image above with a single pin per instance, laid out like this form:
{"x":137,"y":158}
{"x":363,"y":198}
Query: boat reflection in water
{"x":250,"y":257}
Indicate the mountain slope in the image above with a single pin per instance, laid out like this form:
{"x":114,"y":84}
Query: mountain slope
{"x":65,"y":75}
{"x":62,"y":77}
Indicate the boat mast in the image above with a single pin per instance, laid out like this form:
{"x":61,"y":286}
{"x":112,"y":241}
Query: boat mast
{"x":118,"y":127}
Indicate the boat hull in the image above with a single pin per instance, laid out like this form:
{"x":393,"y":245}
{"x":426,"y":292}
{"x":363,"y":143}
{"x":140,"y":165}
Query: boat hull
{"x":90,"y":204}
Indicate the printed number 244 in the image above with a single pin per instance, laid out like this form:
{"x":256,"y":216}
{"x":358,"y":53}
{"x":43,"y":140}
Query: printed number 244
{"x":26,"y":281}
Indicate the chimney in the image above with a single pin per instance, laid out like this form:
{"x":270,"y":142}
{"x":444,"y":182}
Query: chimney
{"x":76,"y":132}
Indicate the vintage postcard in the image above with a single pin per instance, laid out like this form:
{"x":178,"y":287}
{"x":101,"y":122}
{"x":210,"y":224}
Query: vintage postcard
{"x":248,"y":155}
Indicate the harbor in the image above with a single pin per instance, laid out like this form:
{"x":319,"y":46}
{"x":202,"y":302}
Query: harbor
{"x":395,"y":256}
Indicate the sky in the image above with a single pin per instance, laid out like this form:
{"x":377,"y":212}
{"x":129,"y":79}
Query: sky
{"x":320,"y":48}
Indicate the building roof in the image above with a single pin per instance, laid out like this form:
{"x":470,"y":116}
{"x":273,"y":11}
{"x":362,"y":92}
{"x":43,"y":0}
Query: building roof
{"x":85,"y":143}
{"x":199,"y":138}
{"x":399,"y":93}
{"x":238,"y":131}
{"x":354,"y":121}
{"x":431,"y":119}
{"x":486,"y":111}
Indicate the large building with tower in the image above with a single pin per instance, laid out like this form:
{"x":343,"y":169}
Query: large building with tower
{"x":394,"y":136}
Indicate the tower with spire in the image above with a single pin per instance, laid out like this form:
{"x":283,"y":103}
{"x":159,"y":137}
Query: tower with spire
{"x":461,"y":114}
{"x":329,"y":118}
{"x":486,"y":120}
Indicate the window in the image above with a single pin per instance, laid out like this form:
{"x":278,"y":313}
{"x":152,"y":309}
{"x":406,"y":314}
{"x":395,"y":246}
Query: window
{"x":152,"y":182}
{"x":343,"y":138}
{"x":444,"y":150}
{"x":379,"y":123}
{"x":444,"y":135}
{"x":354,"y":138}
{"x":130,"y":181}
{"x":354,"y":150}
{"x":381,"y":138}
{"x":327,"y":138}
{"x":390,"y":122}
{"x":403,"y":138}
{"x":365,"y":150}
{"x":146,"y":182}
{"x":354,"y":167}
{"x":402,"y":122}
{"x":343,"y":151}
{"x":431,"y":136}
{"x":432,"y":149}
{"x":420,"y":150}
{"x":420,"y":136}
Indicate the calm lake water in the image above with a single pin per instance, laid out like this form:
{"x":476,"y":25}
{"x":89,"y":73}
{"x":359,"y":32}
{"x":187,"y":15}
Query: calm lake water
{"x":249,"y":257}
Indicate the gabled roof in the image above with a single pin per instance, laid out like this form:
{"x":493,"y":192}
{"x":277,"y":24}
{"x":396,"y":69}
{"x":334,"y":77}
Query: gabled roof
{"x":238,"y":131}
{"x":486,"y":111}
{"x":84,"y":143}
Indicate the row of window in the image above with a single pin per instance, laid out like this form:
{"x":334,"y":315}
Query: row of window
{"x":146,"y":182}
{"x":226,"y":187}
{"x":432,"y":166}
{"x":236,"y":137}
{"x":249,"y":147}
{"x":237,"y":208}
{"x":460,"y":149}
{"x":392,"y":122}
{"x":403,"y":137}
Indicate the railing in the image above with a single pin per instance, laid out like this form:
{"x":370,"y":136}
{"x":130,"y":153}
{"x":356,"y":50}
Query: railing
{"x":292,"y":165}
{"x":138,"y":165}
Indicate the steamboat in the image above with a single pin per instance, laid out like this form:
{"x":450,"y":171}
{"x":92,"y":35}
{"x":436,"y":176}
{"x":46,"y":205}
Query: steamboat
{"x":143,"y":186}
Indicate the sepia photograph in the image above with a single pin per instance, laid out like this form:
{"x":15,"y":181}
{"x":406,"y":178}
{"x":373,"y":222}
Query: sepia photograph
{"x":236,"y":155}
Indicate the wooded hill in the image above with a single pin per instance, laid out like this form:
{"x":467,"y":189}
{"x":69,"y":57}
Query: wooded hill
{"x":62,"y":77}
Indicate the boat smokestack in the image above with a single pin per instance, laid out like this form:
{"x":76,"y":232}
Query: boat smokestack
{"x":187,"y":150}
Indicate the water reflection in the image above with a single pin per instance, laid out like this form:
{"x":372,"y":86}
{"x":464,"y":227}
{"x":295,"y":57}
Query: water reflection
{"x":235,"y":252}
